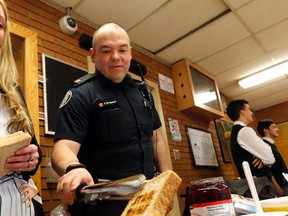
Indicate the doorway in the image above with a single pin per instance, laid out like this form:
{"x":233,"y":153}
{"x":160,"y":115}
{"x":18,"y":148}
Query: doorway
{"x":25,"y":52}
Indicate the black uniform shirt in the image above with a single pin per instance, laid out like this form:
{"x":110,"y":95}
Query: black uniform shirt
{"x":113,"y":125}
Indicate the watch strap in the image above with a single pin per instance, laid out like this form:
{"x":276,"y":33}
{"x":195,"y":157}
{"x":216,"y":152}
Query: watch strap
{"x":74,"y":166}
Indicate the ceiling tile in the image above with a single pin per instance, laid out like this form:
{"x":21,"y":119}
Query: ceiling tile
{"x":232,"y":56}
{"x":274,"y":36}
{"x":256,"y":92}
{"x":266,"y":89}
{"x":63,"y":3}
{"x":280,"y":54}
{"x":232,"y":76}
{"x":126,"y":13}
{"x":260,"y":14}
{"x":174,"y":20}
{"x":260,"y":103}
{"x":232,"y":91}
{"x":236,"y":3}
{"x":207,"y":41}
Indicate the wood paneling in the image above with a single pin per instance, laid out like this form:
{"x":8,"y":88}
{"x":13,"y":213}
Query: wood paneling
{"x":282,"y":141}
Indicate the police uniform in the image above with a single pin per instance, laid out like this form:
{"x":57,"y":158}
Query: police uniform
{"x":114,"y":124}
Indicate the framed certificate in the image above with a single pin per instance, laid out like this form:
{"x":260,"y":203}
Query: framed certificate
{"x":202,"y":147}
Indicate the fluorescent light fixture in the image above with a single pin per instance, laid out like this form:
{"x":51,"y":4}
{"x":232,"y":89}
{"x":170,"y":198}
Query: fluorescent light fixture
{"x":265,"y":75}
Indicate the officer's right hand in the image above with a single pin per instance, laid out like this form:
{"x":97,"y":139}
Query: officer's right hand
{"x":68,"y":183}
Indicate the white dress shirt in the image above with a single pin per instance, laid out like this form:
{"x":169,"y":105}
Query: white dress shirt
{"x":251,"y":142}
{"x":4,"y":118}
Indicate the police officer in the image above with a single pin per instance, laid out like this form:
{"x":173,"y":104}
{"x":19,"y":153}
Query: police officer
{"x":107,"y":126}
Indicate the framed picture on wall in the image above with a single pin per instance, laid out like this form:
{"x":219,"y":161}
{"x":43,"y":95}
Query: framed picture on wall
{"x":202,"y":147}
{"x":223,"y":129}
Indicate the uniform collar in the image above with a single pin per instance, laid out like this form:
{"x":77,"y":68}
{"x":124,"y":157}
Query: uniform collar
{"x":106,"y":82}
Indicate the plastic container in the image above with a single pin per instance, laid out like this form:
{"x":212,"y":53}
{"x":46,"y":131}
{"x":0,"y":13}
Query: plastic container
{"x":59,"y":211}
{"x":275,"y":204}
{"x":209,"y":197}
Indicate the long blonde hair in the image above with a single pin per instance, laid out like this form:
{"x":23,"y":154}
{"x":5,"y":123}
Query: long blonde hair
{"x":20,"y":119}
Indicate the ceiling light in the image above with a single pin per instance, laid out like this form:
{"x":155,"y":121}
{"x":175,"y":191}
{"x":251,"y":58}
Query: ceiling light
{"x":265,"y":75}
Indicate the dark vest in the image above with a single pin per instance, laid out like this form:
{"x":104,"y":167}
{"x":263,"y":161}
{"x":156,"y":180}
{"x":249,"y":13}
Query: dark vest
{"x":239,"y":155}
{"x":279,"y":166}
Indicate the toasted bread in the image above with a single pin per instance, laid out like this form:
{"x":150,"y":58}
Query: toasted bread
{"x":9,"y":145}
{"x":154,"y":197}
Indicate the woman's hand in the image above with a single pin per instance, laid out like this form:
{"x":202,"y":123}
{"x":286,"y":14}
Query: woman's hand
{"x":24,"y":159}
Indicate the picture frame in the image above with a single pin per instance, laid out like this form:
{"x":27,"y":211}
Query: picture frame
{"x":202,"y":147}
{"x":223,"y":129}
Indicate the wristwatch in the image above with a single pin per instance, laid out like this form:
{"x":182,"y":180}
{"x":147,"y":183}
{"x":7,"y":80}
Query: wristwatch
{"x":75,"y":166}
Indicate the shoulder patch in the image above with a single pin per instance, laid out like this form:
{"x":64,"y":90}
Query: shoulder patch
{"x":66,"y":99}
{"x":83,"y":79}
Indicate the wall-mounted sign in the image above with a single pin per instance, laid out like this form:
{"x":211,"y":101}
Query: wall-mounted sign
{"x":166,"y":83}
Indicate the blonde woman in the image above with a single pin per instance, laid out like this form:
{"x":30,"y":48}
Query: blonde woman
{"x":18,"y":194}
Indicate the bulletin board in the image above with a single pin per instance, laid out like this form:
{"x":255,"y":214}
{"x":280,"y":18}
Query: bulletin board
{"x":57,"y":79}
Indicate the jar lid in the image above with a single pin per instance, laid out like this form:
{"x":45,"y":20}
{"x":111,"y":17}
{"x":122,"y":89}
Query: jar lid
{"x":208,"y":181}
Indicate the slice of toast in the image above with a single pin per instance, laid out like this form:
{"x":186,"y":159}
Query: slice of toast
{"x":9,"y":145}
{"x":154,"y":197}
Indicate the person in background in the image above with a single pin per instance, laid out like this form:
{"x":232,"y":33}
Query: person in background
{"x":107,"y":126}
{"x":18,"y":193}
{"x":269,"y":131}
{"x":246,"y":145}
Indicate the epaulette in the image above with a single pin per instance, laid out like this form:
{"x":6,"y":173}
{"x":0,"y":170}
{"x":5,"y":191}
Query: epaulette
{"x":83,"y":79}
{"x":138,"y":82}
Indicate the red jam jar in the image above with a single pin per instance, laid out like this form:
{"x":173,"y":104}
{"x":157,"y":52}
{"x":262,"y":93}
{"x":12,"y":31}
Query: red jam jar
{"x":210,"y":196}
